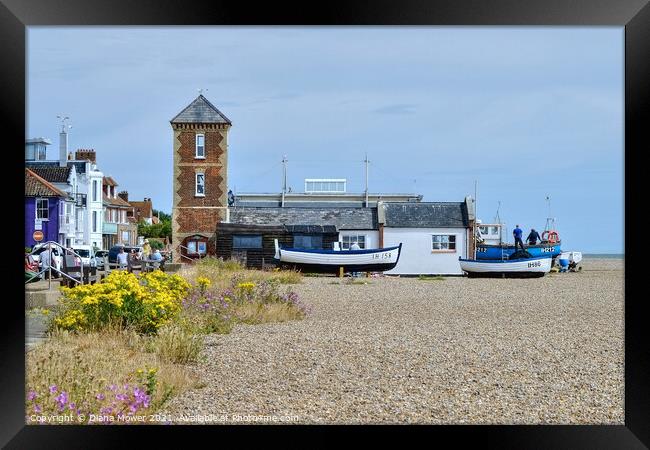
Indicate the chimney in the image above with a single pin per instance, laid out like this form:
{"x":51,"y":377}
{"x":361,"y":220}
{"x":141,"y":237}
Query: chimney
{"x":63,"y":148}
{"x":83,"y":154}
{"x":124,"y":195}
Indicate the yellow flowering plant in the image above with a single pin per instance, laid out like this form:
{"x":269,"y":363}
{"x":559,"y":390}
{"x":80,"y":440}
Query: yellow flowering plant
{"x":123,"y":299}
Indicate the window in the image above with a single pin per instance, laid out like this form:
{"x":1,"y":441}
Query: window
{"x":325,"y":185}
{"x":308,"y":241}
{"x":443,"y":242}
{"x":126,"y":237}
{"x":200,"y":146}
{"x":346,"y":241}
{"x":94,"y":190}
{"x":94,"y":221}
{"x":200,"y":185}
{"x":42,"y":209}
{"x":194,"y":247}
{"x":246,"y":241}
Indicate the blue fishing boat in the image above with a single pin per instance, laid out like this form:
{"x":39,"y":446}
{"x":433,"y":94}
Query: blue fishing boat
{"x":489,"y":245}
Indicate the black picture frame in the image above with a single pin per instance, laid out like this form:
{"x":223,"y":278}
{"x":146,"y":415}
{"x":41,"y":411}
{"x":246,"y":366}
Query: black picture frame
{"x":634,"y":15}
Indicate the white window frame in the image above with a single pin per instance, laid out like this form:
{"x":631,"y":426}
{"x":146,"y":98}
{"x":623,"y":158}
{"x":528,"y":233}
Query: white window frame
{"x":350,"y":238}
{"x":47,"y":208}
{"x":196,"y":184}
{"x":445,"y":250}
{"x":196,"y":146}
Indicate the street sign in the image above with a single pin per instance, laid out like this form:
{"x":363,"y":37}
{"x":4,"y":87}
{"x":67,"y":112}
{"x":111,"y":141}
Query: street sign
{"x":38,"y":235}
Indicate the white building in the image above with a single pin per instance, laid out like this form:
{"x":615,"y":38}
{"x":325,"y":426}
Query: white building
{"x":80,"y":218}
{"x":433,"y":235}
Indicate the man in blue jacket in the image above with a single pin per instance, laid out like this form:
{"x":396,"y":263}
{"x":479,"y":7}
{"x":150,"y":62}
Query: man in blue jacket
{"x":517,"y":233}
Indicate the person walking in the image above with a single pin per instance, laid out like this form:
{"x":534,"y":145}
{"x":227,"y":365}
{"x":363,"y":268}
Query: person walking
{"x":533,"y":237}
{"x":517,"y":233}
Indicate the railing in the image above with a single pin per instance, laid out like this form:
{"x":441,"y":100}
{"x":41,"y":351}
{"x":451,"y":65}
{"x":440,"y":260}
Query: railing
{"x":51,"y":244}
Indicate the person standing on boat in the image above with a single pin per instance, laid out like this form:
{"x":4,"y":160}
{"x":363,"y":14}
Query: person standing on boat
{"x":517,"y":233}
{"x":533,"y":237}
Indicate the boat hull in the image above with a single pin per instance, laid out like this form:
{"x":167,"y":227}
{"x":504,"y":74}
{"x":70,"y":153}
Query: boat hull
{"x":330,"y":261}
{"x":491,"y":252}
{"x":515,"y":268}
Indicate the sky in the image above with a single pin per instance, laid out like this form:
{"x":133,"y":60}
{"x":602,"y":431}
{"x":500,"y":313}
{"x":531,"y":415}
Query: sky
{"x":521,"y":113}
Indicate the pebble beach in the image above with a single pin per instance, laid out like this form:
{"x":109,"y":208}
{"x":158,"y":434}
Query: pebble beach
{"x":448,"y":350}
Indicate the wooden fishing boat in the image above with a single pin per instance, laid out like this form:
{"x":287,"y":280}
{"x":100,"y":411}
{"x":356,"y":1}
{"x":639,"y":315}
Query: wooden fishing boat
{"x":330,"y":261}
{"x":513,"y":268}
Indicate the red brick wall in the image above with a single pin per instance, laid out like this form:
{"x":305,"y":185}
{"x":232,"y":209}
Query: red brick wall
{"x":198,"y":220}
{"x":187,"y":151}
{"x":186,"y":186}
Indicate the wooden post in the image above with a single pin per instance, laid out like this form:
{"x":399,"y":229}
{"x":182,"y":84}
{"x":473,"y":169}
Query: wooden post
{"x":341,"y":272}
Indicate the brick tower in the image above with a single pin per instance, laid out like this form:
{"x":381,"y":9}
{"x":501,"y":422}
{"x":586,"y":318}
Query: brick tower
{"x":200,"y":178}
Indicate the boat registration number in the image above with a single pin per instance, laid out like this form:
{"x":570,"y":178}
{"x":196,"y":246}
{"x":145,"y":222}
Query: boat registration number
{"x":386,"y":255}
{"x":548,"y":249}
{"x":535,"y":264}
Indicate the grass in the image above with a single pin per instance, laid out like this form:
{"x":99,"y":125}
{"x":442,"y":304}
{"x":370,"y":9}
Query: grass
{"x":431,"y":278}
{"x":85,"y":364}
{"x":221,"y":272}
{"x":82,"y":364}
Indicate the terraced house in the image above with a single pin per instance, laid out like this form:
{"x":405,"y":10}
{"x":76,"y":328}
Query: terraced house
{"x":118,"y":225}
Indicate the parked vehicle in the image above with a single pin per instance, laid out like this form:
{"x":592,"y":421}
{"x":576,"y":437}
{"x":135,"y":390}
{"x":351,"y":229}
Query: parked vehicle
{"x":57,"y":258}
{"x":86,"y":253}
{"x":99,"y":257}
{"x":112,"y":253}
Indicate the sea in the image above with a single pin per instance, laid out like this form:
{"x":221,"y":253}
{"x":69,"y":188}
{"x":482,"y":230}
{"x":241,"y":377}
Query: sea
{"x":604,"y":255}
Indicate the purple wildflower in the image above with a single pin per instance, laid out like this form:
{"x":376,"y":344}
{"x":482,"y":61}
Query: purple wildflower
{"x":106,"y":410}
{"x":53,"y":389}
{"x":100,"y":396}
{"x":37,"y":409}
{"x":121,"y":397}
{"x":32,"y":395}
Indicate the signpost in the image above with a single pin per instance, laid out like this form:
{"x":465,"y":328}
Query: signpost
{"x":38,"y":235}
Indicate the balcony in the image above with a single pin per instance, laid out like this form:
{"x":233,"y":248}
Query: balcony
{"x":66,"y":225}
{"x":81,"y":201}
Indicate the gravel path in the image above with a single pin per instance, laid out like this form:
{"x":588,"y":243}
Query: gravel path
{"x":458,"y":350}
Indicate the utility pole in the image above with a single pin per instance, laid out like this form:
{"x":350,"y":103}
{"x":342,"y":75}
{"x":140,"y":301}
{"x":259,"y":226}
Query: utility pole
{"x":284,"y":178}
{"x":367,"y":162}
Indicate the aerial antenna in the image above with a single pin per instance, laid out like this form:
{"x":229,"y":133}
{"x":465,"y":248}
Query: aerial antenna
{"x":284,"y":177}
{"x":367,"y":162}
{"x":64,"y":125}
{"x":200,"y":90}
{"x":550,"y":220}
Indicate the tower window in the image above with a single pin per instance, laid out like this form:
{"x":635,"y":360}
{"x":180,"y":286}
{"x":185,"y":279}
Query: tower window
{"x":200,"y":185}
{"x":200,"y":146}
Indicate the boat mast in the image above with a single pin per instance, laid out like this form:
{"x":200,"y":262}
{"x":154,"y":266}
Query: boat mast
{"x":550,"y":220}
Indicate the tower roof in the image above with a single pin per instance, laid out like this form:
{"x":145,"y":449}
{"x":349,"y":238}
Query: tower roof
{"x":200,"y":111}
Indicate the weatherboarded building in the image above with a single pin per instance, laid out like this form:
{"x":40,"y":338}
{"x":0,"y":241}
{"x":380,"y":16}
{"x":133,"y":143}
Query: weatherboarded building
{"x":200,"y":150}
{"x":250,"y":235}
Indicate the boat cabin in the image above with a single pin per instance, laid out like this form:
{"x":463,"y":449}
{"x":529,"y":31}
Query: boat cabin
{"x":489,"y":233}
